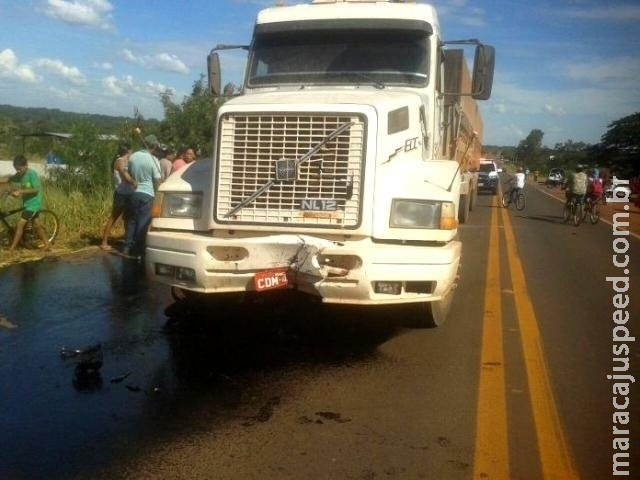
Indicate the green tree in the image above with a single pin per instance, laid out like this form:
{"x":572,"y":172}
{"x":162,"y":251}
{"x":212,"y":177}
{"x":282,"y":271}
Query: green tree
{"x":570,"y":146}
{"x":9,"y":138}
{"x":529,"y":151}
{"x":88,"y":157}
{"x":192,"y":122}
{"x":619,"y":148}
{"x":568,"y":154}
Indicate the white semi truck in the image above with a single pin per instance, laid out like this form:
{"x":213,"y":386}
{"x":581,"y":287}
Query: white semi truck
{"x":334,"y":169}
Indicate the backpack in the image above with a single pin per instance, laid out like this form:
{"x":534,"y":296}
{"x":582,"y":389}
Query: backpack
{"x":580,"y":183}
{"x":596,"y":186}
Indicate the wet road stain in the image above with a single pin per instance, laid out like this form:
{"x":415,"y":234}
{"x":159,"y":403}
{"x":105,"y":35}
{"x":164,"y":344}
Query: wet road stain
{"x":265,"y":412}
{"x":170,"y":370}
{"x":336,"y":417}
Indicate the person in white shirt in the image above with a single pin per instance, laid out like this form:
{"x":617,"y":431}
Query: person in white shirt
{"x":518,"y":184}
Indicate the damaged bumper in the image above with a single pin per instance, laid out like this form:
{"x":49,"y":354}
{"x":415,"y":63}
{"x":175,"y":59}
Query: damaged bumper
{"x":353,"y":272}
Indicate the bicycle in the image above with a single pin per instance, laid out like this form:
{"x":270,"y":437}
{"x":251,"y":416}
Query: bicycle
{"x":508,"y":199}
{"x":46,"y":218}
{"x":591,"y":209}
{"x":573,"y":210}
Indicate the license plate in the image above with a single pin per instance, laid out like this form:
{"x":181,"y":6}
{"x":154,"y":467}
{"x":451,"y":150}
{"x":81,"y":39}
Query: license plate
{"x":270,"y":279}
{"x":480,"y":184}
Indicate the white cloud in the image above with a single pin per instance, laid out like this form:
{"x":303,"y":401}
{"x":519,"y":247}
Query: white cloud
{"x":554,"y":110}
{"x":622,"y":70}
{"x":57,"y":67}
{"x":88,"y":13}
{"x":127,"y":85}
{"x":161,"y":61}
{"x":116,"y":86}
{"x":10,"y":68}
{"x":63,"y":94}
{"x":103,"y":66}
{"x":621,"y":13}
{"x":465,"y":15}
{"x":472,"y":17}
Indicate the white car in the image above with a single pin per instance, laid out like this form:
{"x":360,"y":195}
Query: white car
{"x":608,"y":191}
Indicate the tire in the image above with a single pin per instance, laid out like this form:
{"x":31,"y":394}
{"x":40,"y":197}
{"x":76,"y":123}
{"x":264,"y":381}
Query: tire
{"x":577,"y":214}
{"x":520,"y":201}
{"x":463,"y":209}
{"x":594,"y":214}
{"x":432,"y":314}
{"x":51,"y":225}
{"x":505,"y":199}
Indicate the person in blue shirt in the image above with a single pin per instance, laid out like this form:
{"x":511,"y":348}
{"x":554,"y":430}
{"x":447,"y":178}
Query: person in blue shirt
{"x":144,"y":168}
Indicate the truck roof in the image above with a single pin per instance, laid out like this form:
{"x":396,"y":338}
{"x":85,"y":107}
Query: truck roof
{"x":350,"y":10}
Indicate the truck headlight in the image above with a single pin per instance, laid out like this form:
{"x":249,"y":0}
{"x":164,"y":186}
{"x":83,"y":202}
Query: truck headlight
{"x":408,"y":213}
{"x":180,"y":205}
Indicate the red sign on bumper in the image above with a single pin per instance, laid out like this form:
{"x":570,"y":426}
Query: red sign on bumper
{"x":270,"y":279}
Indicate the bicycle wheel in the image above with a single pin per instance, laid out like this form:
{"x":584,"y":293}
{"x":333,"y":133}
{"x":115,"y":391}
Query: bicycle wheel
{"x":577,"y":214}
{"x":566,"y":212}
{"x":594,"y":214}
{"x":505,"y":199}
{"x":520,"y":201}
{"x":50,"y":224}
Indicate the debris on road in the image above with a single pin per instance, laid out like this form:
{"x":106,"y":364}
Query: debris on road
{"x":120,"y":378}
{"x":5,"y":323}
{"x":89,"y":362}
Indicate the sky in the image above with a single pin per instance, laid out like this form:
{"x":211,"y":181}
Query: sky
{"x":566,"y":67}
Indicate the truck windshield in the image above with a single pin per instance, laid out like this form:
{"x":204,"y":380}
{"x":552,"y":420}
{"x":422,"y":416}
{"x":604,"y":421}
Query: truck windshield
{"x":339,"y":57}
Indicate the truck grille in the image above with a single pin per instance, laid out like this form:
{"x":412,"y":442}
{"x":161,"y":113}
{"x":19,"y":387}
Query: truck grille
{"x":325,"y":190}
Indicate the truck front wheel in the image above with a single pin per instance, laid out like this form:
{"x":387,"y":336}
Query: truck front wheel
{"x":432,"y":314}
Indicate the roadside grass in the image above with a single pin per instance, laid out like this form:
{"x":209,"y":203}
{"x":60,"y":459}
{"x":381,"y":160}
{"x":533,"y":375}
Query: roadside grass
{"x":82,"y":215}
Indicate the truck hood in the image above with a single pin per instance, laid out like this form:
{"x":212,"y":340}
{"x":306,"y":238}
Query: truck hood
{"x":285,"y":101}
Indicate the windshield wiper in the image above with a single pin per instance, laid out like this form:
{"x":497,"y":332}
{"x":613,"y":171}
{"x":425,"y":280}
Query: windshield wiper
{"x":300,"y":160}
{"x":364,"y":76}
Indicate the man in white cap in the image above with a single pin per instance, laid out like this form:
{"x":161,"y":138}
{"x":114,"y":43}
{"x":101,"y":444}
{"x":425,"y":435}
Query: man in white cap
{"x":143,"y":166}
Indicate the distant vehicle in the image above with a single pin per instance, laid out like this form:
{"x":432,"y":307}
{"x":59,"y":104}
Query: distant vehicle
{"x":488,"y":176}
{"x":608,"y":191}
{"x":555,"y":177}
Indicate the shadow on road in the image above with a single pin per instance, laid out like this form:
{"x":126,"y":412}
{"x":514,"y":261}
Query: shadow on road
{"x":230,"y":336}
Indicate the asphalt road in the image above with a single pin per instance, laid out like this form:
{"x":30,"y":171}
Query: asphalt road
{"x":513,"y":385}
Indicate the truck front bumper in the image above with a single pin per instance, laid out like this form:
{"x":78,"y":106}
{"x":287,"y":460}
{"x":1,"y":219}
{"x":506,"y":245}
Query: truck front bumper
{"x":348,"y":272}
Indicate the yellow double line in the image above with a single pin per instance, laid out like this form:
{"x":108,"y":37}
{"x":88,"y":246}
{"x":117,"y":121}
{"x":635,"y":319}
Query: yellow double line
{"x":492,"y":444}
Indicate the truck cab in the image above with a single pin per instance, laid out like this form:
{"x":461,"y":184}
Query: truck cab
{"x":329,"y":172}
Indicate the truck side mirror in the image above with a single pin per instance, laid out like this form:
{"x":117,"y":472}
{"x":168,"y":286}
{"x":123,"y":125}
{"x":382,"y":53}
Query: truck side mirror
{"x":483,"y":65}
{"x":213,"y":72}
